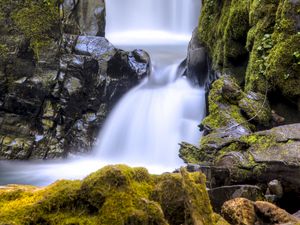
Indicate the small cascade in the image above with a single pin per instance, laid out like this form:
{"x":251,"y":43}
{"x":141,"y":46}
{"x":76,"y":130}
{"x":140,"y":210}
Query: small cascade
{"x":149,"y":122}
{"x":152,"y":119}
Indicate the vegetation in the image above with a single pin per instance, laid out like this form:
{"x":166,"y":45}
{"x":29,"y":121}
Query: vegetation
{"x":38,"y":20}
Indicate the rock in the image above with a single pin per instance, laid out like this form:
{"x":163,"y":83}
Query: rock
{"x":269,"y":212}
{"x":222,"y":194}
{"x":297,"y":215}
{"x":256,"y":107}
{"x":197,"y":61}
{"x":275,"y":188}
{"x":115,"y":194}
{"x":239,"y":211}
{"x":98,"y":47}
{"x":63,"y":98}
{"x":84,"y":17}
{"x":243,"y":211}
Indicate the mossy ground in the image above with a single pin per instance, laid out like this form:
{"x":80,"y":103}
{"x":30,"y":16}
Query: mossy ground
{"x":117,"y":195}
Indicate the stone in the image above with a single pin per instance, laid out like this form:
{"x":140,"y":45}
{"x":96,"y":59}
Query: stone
{"x":243,"y":211}
{"x":98,"y":47}
{"x":275,"y":188}
{"x":256,"y":107}
{"x":239,"y":211}
{"x":222,"y":194}
{"x":84,"y":17}
{"x":197,"y":61}
{"x":273,"y":214}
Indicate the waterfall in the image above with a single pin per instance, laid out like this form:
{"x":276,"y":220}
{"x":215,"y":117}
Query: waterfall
{"x":148,"y":22}
{"x":150,"y":121}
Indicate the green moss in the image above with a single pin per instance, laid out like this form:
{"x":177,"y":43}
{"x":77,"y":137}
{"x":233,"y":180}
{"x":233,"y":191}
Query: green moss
{"x":117,"y":195}
{"x":39,"y":21}
{"x":266,"y":31}
{"x":222,"y":28}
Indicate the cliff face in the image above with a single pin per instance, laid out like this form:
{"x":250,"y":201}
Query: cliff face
{"x":56,"y":83}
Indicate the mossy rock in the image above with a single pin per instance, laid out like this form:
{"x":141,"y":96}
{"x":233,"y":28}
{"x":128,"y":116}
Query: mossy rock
{"x":117,"y":195}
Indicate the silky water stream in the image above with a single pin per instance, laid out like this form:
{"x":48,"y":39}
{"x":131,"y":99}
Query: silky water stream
{"x":147,"y":125}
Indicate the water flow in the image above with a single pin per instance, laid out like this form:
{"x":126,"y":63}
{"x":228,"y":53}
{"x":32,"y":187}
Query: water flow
{"x":149,"y":122}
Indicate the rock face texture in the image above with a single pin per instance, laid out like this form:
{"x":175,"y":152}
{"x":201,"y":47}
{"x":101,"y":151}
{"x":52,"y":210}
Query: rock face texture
{"x":56,"y":89}
{"x":113,"y":195}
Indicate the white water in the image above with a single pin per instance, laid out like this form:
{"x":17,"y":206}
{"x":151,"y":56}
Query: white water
{"x":147,"y":125}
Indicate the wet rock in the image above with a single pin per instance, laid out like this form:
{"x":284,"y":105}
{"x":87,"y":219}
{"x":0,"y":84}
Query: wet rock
{"x":197,"y":61}
{"x":222,"y":194}
{"x":84,"y":17}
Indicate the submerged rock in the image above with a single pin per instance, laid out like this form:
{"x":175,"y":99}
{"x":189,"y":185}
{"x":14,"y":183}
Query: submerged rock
{"x":113,"y":195}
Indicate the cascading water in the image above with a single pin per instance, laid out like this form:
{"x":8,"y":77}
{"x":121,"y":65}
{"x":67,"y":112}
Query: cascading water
{"x":149,"y":122}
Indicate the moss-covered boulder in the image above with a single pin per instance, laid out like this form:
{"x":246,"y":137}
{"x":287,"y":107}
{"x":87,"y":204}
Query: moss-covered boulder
{"x":117,"y":195}
{"x":232,"y":114}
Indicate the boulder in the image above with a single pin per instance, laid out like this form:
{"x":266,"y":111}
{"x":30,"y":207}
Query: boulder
{"x":246,"y":212}
{"x":222,"y":194}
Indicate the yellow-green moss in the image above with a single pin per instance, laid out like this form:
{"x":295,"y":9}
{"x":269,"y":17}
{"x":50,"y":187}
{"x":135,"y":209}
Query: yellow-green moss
{"x":117,"y":195}
{"x":39,"y":20}
{"x":222,"y":29}
{"x":266,"y":31}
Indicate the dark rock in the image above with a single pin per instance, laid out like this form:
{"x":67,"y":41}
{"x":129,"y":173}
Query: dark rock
{"x":197,"y":61}
{"x":222,"y":194}
{"x":53,"y":101}
{"x":84,"y":17}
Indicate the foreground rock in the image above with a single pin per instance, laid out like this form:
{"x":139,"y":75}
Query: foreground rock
{"x":113,"y":195}
{"x":241,"y":211}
